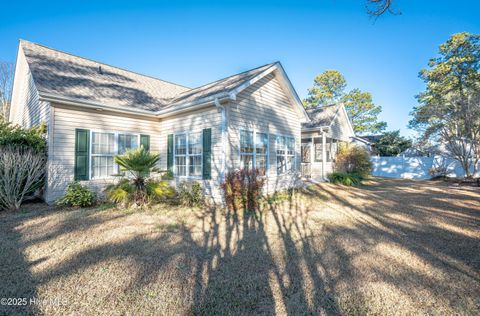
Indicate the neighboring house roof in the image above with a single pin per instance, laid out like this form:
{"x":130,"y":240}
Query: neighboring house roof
{"x":322,"y":116}
{"x":64,"y":77}
{"x":362,"y":140}
{"x":372,"y":138}
{"x":413,"y":152}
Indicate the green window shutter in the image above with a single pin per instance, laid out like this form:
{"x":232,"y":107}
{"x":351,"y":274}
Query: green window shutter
{"x":145,"y":141}
{"x":170,"y":152}
{"x":82,"y":145}
{"x":207,"y":153}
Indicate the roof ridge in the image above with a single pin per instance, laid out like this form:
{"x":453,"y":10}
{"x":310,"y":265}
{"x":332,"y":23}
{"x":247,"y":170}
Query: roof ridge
{"x":105,"y":64}
{"x":237,"y":74}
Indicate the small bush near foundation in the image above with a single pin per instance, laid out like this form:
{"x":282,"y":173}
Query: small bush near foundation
{"x":124,"y":192}
{"x":22,"y":173}
{"x":77,"y":195}
{"x":168,"y":175}
{"x":353,"y":159}
{"x":243,"y":188}
{"x":190,"y":194}
{"x":345,"y":178}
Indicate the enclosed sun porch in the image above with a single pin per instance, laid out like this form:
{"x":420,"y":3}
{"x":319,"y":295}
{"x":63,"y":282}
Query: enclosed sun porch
{"x":318,"y":153}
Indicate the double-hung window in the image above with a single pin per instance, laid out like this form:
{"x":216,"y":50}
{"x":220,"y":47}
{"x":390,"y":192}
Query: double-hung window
{"x":181,"y":155}
{"x":126,"y":142}
{"x":285,"y":149}
{"x":246,"y":149}
{"x":188,"y":154}
{"x":261,"y":152}
{"x":103,"y":151}
{"x":195,"y":146}
{"x":105,"y":146}
{"x":254,"y":151}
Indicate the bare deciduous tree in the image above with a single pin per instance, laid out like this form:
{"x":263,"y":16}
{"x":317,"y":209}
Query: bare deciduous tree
{"x":376,"y":8}
{"x":21,"y":173}
{"x":6,"y":84}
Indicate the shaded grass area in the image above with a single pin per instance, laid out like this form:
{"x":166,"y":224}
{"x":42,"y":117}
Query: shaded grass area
{"x":388,"y":247}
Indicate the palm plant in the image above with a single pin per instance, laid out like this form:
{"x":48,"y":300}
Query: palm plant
{"x":138,"y":164}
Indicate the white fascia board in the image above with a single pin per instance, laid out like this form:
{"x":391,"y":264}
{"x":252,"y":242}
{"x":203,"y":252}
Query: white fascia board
{"x":348,"y":119}
{"x":293,"y":93}
{"x":159,"y":114}
{"x":250,"y":82}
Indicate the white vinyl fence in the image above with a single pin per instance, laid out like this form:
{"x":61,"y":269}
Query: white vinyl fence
{"x":413,"y":167}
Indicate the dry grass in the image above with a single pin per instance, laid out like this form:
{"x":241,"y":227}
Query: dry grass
{"x":390,"y":247}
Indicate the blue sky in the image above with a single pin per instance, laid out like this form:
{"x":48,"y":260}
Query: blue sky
{"x":194,"y":42}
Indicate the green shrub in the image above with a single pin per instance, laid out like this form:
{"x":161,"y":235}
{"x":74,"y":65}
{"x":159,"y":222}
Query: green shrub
{"x":243,"y":188}
{"x":345,"y":178}
{"x":77,"y":195}
{"x":138,"y":164}
{"x":120,"y":192}
{"x":353,"y":159}
{"x":124,"y":192}
{"x":190,"y":194}
{"x":160,"y":191}
{"x":168,"y":175}
{"x":18,"y":137}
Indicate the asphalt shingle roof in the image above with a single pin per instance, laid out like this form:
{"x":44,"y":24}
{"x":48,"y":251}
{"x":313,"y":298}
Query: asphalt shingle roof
{"x":66,"y":75}
{"x":321,"y":116}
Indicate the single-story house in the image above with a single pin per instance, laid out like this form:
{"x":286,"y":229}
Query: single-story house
{"x":95,"y":111}
{"x":328,"y":126}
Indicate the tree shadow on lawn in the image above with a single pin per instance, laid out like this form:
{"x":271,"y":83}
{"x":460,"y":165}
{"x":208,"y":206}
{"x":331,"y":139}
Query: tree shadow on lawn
{"x":16,"y":279}
{"x":428,"y":222}
{"x":284,"y":261}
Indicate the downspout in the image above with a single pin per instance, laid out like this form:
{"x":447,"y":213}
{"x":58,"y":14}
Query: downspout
{"x":223,"y":138}
{"x":324,"y":155}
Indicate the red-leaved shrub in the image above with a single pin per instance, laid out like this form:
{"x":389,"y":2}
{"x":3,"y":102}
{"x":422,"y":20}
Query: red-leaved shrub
{"x":243,"y":188}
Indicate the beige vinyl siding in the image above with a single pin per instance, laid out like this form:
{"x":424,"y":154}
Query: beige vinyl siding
{"x":26,"y":109}
{"x":62,"y":144}
{"x":340,"y":129}
{"x":193,"y":122}
{"x":264,"y":107}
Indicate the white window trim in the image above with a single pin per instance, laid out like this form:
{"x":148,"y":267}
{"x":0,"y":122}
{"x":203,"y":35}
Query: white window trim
{"x":285,"y":155}
{"x":187,"y":164}
{"x":116,"y":133}
{"x":254,"y":154}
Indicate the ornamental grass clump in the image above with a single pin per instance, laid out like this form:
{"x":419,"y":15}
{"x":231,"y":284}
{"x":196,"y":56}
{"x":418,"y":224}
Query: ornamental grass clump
{"x":23,"y":159}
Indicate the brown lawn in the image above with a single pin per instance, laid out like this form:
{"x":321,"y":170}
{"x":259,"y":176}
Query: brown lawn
{"x":389,"y":247}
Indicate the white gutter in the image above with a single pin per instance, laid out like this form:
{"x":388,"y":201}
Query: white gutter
{"x":172,"y":110}
{"x":223,"y":137}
